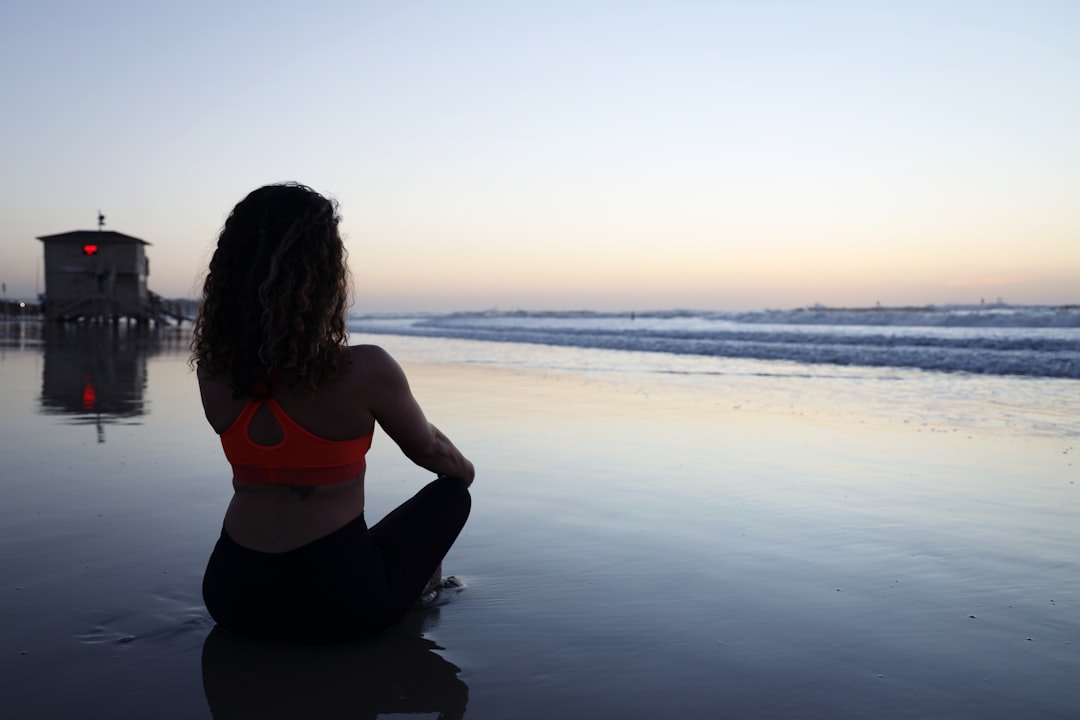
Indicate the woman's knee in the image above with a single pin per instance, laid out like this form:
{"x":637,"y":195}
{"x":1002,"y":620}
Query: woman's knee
{"x":453,"y":492}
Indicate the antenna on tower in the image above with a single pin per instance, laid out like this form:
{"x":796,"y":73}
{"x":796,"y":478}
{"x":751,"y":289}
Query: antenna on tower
{"x":100,"y":221}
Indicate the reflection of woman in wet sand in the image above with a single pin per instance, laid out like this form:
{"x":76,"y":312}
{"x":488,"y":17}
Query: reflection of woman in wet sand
{"x":399,"y":672}
{"x":296,"y":409}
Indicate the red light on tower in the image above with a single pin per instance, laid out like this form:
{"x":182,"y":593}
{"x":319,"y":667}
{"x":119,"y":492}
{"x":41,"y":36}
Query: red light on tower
{"x":89,"y":249}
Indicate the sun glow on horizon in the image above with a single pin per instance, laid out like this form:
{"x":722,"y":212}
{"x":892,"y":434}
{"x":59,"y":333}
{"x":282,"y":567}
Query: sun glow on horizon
{"x":679,"y":154}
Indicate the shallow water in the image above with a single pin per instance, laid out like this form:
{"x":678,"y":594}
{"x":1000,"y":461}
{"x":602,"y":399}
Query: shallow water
{"x":752,"y":541}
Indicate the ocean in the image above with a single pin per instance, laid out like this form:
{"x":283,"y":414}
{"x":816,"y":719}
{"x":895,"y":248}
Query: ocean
{"x":990,"y":340}
{"x":1000,"y":368}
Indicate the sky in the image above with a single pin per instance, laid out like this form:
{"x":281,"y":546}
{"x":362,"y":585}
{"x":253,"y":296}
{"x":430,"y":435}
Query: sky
{"x":563,"y":155}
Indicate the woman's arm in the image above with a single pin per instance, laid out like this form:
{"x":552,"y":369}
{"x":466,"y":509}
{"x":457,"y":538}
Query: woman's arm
{"x":400,"y":416}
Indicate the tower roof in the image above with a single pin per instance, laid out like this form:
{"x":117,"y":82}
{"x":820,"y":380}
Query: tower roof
{"x":98,"y":236}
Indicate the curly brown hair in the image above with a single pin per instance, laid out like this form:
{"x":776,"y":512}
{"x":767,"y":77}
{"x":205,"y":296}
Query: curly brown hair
{"x":276,"y":294}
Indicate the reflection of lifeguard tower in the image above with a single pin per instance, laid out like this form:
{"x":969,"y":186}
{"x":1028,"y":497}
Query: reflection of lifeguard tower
{"x":95,"y":374}
{"x":97,"y":275}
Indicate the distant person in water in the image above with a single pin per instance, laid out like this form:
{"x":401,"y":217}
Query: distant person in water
{"x":296,"y":409}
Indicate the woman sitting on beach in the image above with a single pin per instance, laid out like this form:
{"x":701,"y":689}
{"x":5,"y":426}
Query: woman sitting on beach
{"x":296,"y":409}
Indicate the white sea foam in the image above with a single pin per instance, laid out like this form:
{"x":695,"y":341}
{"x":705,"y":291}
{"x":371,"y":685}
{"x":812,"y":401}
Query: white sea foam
{"x":1000,"y":340}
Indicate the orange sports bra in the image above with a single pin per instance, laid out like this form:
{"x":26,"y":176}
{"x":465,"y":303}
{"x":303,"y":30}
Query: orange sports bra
{"x":301,"y":458}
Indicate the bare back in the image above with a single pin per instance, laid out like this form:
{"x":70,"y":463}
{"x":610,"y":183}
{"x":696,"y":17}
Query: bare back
{"x":372,"y":389}
{"x":275,"y":518}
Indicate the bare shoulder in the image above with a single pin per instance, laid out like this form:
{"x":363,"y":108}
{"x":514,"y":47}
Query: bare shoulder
{"x":376,"y":375}
{"x":368,"y":354}
{"x":370,"y":363}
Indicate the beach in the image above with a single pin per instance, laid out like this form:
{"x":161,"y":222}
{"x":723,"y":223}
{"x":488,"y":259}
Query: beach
{"x":761,"y":539}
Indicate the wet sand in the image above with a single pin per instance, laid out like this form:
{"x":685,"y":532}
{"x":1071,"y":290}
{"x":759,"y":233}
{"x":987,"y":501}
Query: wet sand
{"x":640,"y":547}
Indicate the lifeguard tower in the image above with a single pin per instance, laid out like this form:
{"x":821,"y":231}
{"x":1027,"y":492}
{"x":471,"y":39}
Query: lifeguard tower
{"x":98,"y":275}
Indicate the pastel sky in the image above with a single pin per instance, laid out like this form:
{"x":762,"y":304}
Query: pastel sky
{"x":566,"y":154}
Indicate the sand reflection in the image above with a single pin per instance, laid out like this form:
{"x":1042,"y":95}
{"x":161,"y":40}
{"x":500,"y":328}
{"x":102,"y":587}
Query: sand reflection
{"x":398,"y":672}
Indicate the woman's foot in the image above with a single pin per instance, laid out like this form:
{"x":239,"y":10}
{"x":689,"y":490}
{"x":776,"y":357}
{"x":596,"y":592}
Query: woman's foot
{"x":435,"y":582}
{"x":430,"y":592}
{"x":439,"y":590}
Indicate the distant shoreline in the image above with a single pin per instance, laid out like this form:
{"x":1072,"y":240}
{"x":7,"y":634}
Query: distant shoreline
{"x":670,"y":312}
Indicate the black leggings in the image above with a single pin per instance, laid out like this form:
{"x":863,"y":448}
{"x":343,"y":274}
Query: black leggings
{"x":350,"y":584}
